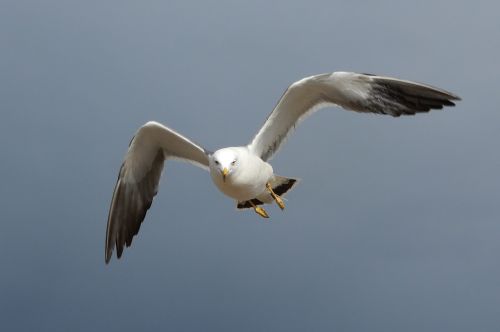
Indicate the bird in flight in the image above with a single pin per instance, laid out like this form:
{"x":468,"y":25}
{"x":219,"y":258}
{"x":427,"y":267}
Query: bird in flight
{"x":243,"y":173}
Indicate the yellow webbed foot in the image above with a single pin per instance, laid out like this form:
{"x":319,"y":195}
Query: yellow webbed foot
{"x":278,"y":199}
{"x":261,"y":212}
{"x":280,"y":202}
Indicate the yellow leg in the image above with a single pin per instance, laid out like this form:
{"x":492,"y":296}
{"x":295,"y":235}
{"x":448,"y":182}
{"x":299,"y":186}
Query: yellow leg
{"x":278,"y":199}
{"x":259,"y":210}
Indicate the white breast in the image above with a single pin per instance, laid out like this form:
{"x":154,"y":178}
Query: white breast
{"x":247,"y":181}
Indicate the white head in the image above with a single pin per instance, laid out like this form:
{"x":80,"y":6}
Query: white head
{"x":224,"y":162}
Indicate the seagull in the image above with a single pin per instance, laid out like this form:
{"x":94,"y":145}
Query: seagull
{"x":243,"y":173}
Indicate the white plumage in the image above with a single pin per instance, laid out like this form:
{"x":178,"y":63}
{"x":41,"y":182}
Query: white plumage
{"x":242,"y":173}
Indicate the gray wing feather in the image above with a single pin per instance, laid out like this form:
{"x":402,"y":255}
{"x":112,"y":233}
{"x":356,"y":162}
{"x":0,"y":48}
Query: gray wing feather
{"x":351,"y":91}
{"x":138,"y":180}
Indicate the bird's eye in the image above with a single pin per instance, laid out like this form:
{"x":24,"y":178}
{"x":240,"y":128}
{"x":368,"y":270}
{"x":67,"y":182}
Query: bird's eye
{"x":216,"y":162}
{"x":233,"y":162}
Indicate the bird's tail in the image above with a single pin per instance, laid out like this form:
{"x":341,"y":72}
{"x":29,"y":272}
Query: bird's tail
{"x":281,"y":185}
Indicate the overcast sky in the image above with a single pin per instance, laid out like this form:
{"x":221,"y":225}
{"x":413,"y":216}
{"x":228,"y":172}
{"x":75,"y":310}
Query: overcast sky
{"x":394,"y":227}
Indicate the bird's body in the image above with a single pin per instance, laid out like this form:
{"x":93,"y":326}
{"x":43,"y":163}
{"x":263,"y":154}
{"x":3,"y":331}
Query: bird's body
{"x":244,"y":173}
{"x":248,"y":176}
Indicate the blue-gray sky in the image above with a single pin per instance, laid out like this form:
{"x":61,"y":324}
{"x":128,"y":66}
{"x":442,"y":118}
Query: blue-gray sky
{"x":394,"y":227}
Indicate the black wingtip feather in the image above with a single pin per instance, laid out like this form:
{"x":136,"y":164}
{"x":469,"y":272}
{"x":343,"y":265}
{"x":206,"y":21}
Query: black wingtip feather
{"x":129,"y":206}
{"x":398,"y":100}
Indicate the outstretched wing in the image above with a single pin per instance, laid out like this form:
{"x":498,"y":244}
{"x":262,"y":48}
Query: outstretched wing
{"x":139,"y":177}
{"x":356,"y":92}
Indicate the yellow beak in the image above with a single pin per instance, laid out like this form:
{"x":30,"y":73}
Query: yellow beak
{"x":225,"y":171}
